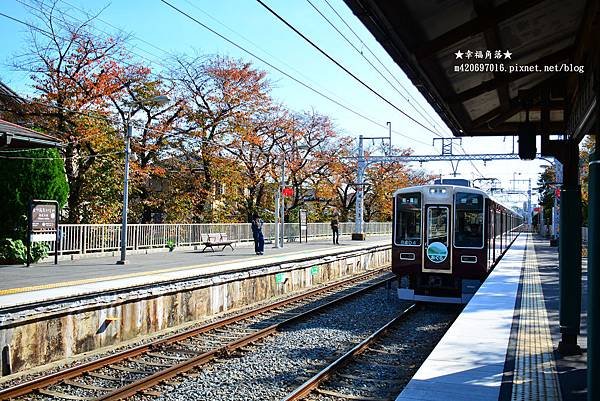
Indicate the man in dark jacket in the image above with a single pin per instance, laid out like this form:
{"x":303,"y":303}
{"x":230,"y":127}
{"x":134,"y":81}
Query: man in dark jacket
{"x":334,"y":227}
{"x":257,"y":234}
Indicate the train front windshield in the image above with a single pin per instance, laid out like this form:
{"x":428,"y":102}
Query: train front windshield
{"x":408,"y":219}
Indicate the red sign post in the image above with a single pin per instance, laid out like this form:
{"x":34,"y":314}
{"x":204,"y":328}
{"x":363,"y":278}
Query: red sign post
{"x":287,"y":191}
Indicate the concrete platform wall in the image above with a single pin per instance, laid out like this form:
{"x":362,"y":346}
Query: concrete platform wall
{"x":40,"y":335}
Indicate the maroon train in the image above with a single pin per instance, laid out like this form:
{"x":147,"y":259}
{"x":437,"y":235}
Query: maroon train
{"x":446,"y":239}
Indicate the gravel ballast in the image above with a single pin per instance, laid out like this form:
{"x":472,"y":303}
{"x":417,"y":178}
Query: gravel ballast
{"x":273,"y":368}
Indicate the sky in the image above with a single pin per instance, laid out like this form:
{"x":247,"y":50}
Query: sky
{"x":157,"y":31}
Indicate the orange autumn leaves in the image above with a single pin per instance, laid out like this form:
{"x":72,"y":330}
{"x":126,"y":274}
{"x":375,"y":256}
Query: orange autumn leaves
{"x":213,"y":153}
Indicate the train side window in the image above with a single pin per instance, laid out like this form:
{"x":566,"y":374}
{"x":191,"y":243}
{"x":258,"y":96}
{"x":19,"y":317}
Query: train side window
{"x":468,"y":228}
{"x":408,"y":219}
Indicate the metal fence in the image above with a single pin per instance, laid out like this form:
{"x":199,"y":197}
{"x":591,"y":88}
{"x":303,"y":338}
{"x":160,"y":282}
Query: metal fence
{"x":97,"y":238}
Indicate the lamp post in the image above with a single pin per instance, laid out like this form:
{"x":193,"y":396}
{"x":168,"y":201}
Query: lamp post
{"x":158,"y":100}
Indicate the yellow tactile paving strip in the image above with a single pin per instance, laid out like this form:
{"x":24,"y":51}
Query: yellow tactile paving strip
{"x":535,"y":376}
{"x":270,"y":259}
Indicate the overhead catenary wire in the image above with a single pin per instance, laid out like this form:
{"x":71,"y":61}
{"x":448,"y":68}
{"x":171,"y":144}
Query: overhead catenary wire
{"x":377,"y":70}
{"x":286,"y":64}
{"x":381,"y":63}
{"x":48,"y":34}
{"x":372,"y":120}
{"x":347,"y":71}
{"x":369,"y":119}
{"x":281,"y":71}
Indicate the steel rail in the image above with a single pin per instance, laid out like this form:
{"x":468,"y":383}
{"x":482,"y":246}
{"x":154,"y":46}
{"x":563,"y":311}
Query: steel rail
{"x":308,"y":386}
{"x":166,"y":374}
{"x":75,"y":371}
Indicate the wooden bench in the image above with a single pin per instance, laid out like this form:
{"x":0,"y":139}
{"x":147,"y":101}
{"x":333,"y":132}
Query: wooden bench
{"x":216,"y":239}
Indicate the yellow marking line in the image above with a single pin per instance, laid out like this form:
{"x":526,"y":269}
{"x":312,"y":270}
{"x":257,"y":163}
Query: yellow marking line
{"x":10,"y":291}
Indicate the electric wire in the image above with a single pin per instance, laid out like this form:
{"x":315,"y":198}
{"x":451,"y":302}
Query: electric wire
{"x":371,"y":120}
{"x":381,"y":63}
{"x":233,"y":43}
{"x":373,"y":66}
{"x":225,"y":26}
{"x":48,"y":34}
{"x":324,"y":53}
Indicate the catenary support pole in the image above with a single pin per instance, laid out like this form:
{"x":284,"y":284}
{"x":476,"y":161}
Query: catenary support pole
{"x":570,"y":253}
{"x":360,"y":192}
{"x":123,"y":259}
{"x":593,"y":268}
{"x":282,"y":211}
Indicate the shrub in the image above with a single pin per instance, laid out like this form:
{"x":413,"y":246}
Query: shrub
{"x":39,"y":250}
{"x":15,"y":252}
{"x":12,"y":251}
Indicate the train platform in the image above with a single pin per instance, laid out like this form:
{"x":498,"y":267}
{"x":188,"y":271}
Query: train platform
{"x":46,"y":281}
{"x":503,"y":346}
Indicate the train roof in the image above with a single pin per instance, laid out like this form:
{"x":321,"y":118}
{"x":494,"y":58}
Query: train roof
{"x":456,"y":188}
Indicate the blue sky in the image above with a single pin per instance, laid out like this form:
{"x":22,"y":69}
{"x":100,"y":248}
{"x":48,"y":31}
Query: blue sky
{"x":249,"y":24}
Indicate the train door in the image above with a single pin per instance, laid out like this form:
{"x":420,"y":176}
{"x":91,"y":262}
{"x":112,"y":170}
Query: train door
{"x":437,"y":251}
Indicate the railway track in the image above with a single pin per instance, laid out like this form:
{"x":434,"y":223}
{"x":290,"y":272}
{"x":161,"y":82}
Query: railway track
{"x":136,"y":370}
{"x":376,"y":369}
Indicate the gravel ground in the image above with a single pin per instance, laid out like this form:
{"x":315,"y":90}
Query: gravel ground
{"x":20,"y":377}
{"x":383,"y":370}
{"x":283,"y":361}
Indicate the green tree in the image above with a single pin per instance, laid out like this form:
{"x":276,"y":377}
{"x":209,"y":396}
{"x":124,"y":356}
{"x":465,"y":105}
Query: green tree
{"x":547,"y":185}
{"x":26,"y":175}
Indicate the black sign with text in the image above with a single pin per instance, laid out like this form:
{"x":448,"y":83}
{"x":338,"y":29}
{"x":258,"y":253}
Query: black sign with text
{"x":43,"y":217}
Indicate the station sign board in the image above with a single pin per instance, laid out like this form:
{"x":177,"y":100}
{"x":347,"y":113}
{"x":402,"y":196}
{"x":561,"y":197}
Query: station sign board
{"x":43,"y":217}
{"x":42,"y":225}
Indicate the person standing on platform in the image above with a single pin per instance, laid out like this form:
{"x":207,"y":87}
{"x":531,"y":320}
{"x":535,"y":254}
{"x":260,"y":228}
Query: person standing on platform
{"x":335,"y":222}
{"x":257,"y":234}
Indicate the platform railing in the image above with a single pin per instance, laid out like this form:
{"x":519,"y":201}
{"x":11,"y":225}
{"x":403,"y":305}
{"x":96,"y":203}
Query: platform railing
{"x":99,"y":238}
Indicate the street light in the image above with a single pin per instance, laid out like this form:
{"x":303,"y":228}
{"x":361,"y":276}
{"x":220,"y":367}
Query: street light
{"x":158,"y":100}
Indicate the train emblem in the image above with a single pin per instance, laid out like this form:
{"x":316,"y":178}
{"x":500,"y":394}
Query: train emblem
{"x":437,"y":252}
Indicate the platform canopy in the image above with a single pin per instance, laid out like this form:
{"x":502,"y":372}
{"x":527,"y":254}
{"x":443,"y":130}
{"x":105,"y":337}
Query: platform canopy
{"x":13,"y":136}
{"x":424,"y":36}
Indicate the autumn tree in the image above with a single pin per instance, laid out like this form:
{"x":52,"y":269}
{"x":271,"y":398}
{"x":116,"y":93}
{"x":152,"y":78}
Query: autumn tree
{"x":382,"y":180}
{"x":73,"y":72}
{"x":252,"y":142}
{"x":155,"y":133}
{"x":217,"y":91}
{"x":547,"y":186}
{"x":310,"y":146}
{"x":586,"y":149}
{"x":334,"y":187}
